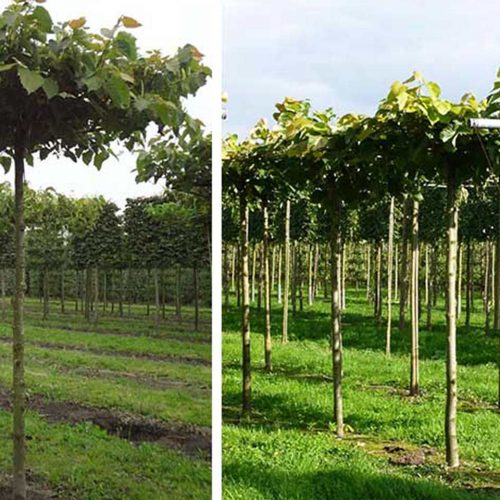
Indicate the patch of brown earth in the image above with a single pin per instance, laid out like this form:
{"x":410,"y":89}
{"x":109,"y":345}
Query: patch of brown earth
{"x":403,"y":456}
{"x":190,"y":439}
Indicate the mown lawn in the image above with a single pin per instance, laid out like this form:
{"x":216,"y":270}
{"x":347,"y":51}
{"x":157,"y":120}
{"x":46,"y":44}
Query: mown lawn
{"x":287,"y":449}
{"x":119,"y":368}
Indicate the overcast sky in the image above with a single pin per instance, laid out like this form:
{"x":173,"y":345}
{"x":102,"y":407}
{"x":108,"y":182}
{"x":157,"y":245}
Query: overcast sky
{"x":346,"y":53}
{"x":167,"y":25}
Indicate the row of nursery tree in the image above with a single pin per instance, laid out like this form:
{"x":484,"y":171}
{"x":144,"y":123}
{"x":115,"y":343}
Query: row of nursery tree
{"x":68,"y":91}
{"x":403,"y":202}
{"x":86,"y":251}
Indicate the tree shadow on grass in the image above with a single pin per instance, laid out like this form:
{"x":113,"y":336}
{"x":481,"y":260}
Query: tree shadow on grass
{"x":361,"y":332}
{"x":348,"y":481}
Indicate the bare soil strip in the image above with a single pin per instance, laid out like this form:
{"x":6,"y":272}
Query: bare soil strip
{"x":190,"y":439}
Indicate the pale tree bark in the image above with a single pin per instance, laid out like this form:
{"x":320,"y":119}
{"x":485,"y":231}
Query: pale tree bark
{"x":378,"y":283}
{"x":452,"y":457}
{"x":273,"y":267}
{"x":18,"y":383}
{"x":156,"y":279}
{"x":390,"y":250}
{"x":45,"y":292}
{"x":459,"y":281}
{"x":310,"y":270}
{"x":315,"y":272}
{"x":403,"y":274}
{"x":267,"y":293}
{"x":414,"y":371}
{"x":487,"y":293}
{"x":337,"y":355}
{"x":280,"y":273}
{"x":233,"y":268}
{"x":396,"y":271}
{"x":368,"y":272}
{"x":429,"y":283}
{"x":284,"y":329}
{"x":468,"y":284}
{"x":196,"y":286}
{"x":245,"y":310}
{"x":254,"y":266}
{"x":2,"y":286}
{"x":342,"y":276}
{"x":294,"y":279}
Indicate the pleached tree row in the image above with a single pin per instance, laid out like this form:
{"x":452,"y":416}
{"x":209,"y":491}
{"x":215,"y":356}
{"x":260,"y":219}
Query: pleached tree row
{"x":403,"y":203}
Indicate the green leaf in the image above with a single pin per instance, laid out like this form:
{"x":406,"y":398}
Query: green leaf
{"x":93,"y":83}
{"x":6,"y":162}
{"x":7,"y":67}
{"x":118,"y":90}
{"x":167,"y":111}
{"x":30,"y":80}
{"x":107,"y":33}
{"x":87,"y":157}
{"x":126,"y":45}
{"x":100,"y":158}
{"x":434,"y":89}
{"x":43,"y":17}
{"x":51,"y":87}
{"x":141,"y":103}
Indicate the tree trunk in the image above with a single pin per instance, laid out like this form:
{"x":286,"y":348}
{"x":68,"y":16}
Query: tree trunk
{"x":294,"y":259}
{"x":63,"y":298}
{"x":414,"y":372}
{"x":260,"y":281}
{"x":284,"y":329}
{"x":403,"y":274}
{"x":336,"y":257}
{"x":88,"y":278}
{"x":280,"y":272}
{"x":156,"y":278}
{"x":390,"y":246}
{"x":45,"y":293}
{"x":342,"y":277}
{"x":178,"y":313}
{"x":105,"y":291}
{"x":487,"y":295}
{"x":451,"y":351}
{"x":254,"y":266}
{"x":96,"y":294}
{"x":429,"y":283}
{"x":196,"y":298}
{"x":2,"y":286}
{"x":378,"y":283}
{"x":267,"y":293}
{"x":459,"y":281}
{"x":368,"y":272}
{"x":315,"y":272}
{"x":245,"y":309}
{"x":468,"y":285}
{"x":18,"y":383}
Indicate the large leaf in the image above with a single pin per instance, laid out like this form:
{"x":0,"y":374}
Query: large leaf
{"x":130,"y":22}
{"x":51,"y":87}
{"x":77,"y":23}
{"x":126,"y":44}
{"x":118,"y":91}
{"x":167,"y":111}
{"x":30,"y":80}
{"x":43,"y":17}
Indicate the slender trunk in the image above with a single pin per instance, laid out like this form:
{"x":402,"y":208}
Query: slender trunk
{"x":284,"y":330}
{"x":429,"y":283}
{"x":245,"y":309}
{"x":233,"y":268}
{"x":459,"y":282}
{"x":238,"y":276}
{"x":196,"y":286}
{"x":18,"y":383}
{"x":300,"y":271}
{"x":254,"y":265}
{"x":267,"y":293}
{"x":309,"y":274}
{"x":227,"y":277}
{"x":468,"y":285}
{"x":414,"y":372}
{"x":343,"y":275}
{"x":403,"y":275}
{"x":273,"y":268}
{"x":88,"y":278}
{"x":280,"y":272}
{"x":2,"y":285}
{"x":45,"y":293}
{"x":63,"y":298}
{"x":178,"y":313}
{"x":156,"y":278}
{"x":105,"y":291}
{"x":260,"y":281}
{"x":336,"y":257}
{"x":368,"y":272}
{"x":121,"y":297}
{"x":378,"y":283}
{"x":315,"y":272}
{"x":294,"y":259}
{"x":487,"y":296}
{"x":452,"y":458}
{"x":390,"y":245}
{"x":396,"y":271}
{"x":96,"y":294}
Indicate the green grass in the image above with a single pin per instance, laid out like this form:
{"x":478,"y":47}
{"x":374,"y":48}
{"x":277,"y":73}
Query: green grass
{"x":82,"y":461}
{"x":286,"y":450}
